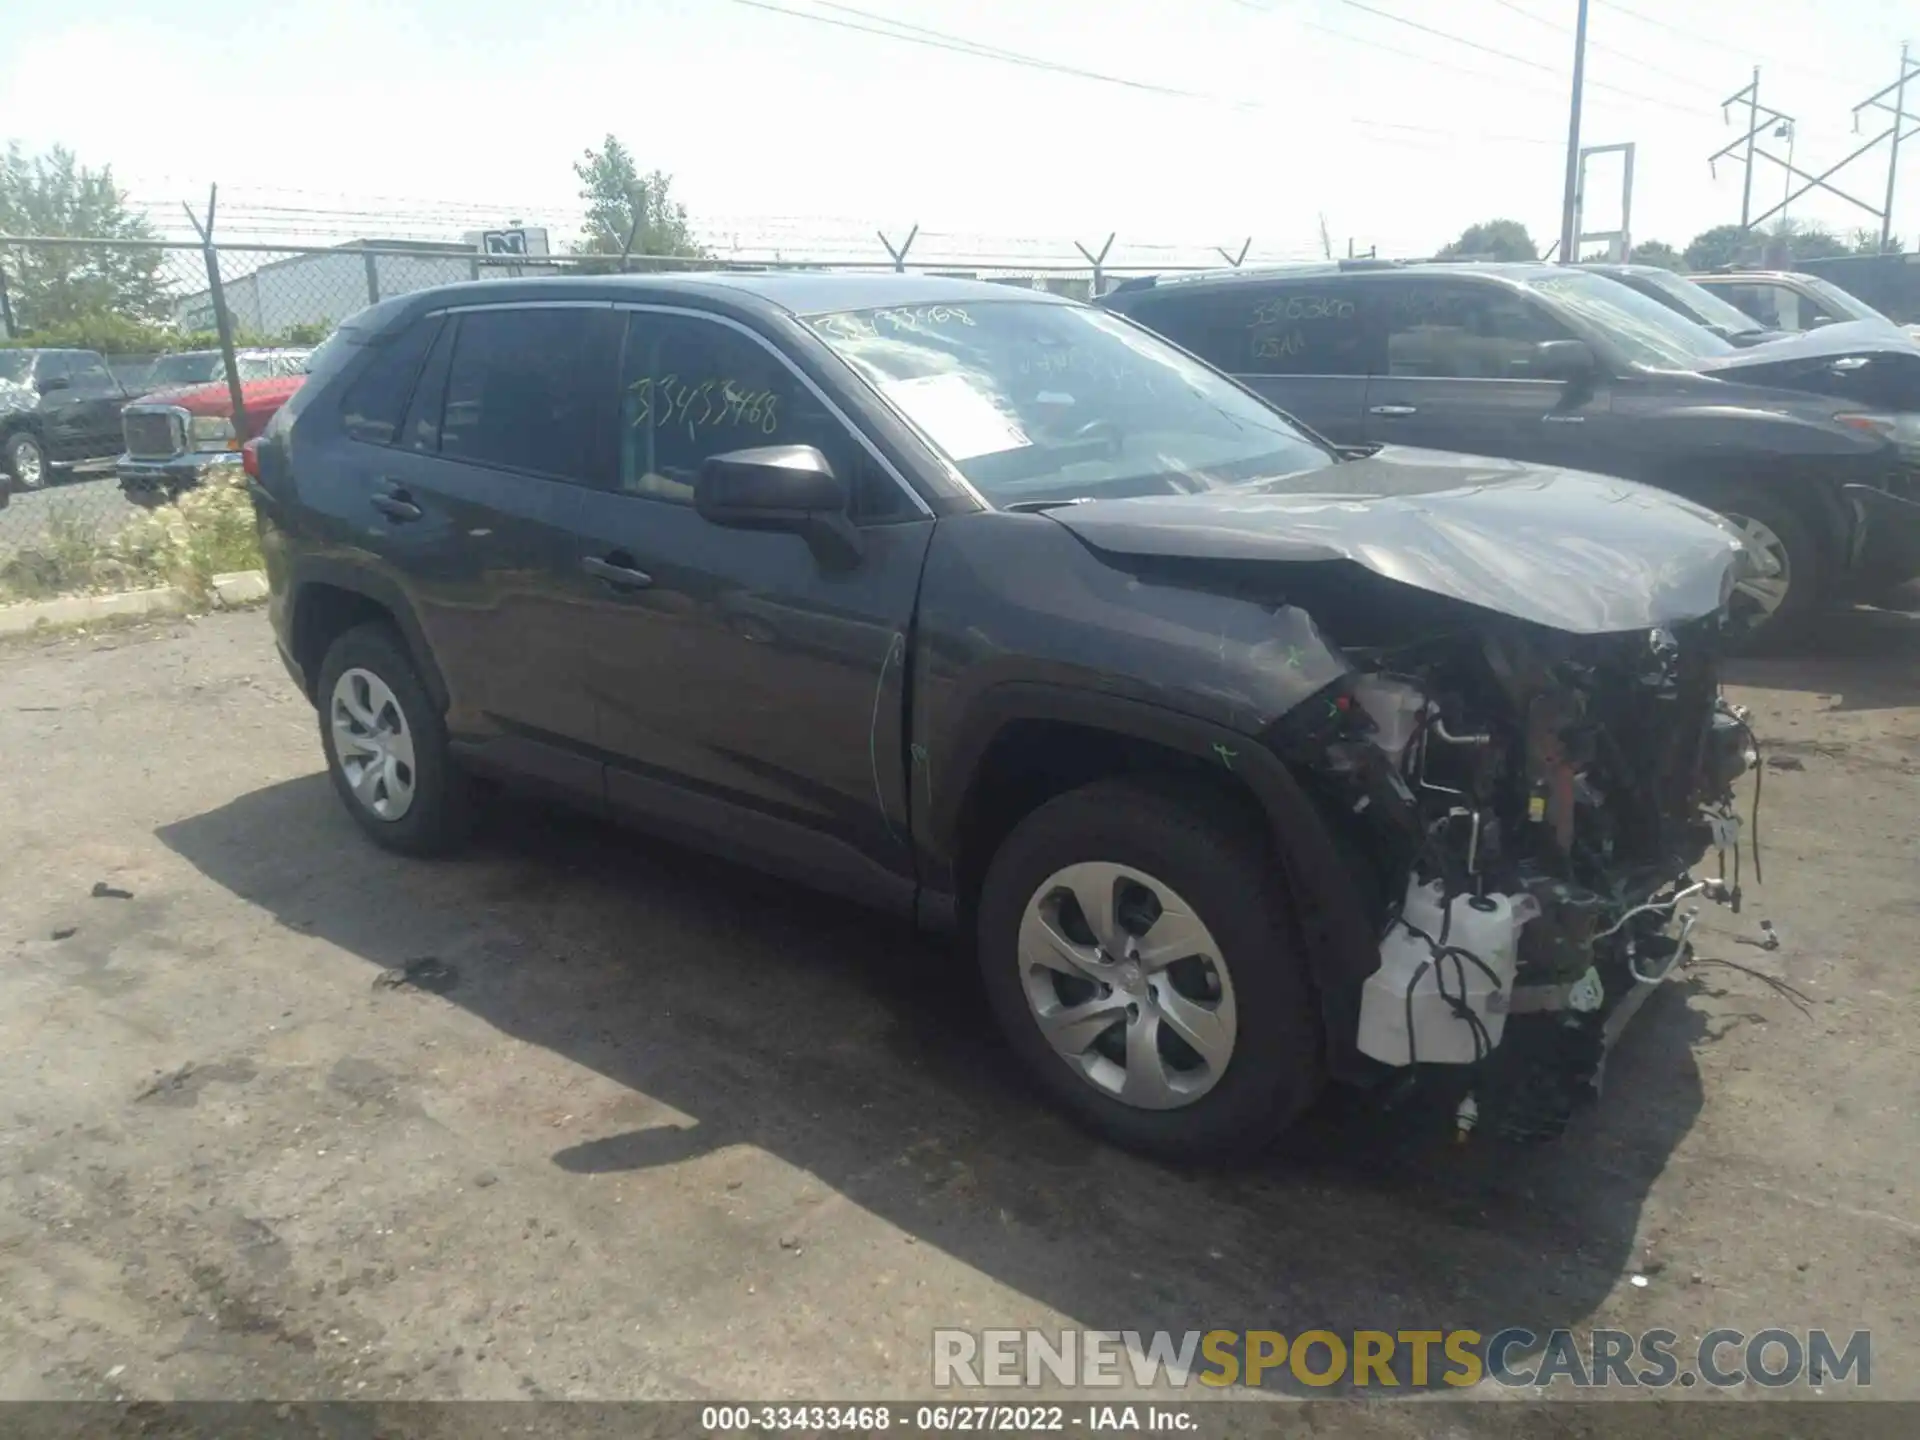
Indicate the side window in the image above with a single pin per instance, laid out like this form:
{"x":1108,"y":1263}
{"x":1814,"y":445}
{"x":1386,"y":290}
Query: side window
{"x":1462,"y":331}
{"x":52,"y":365}
{"x":520,"y":392}
{"x":90,"y":375}
{"x":1813,"y":311}
{"x":421,"y":429}
{"x":1762,"y":302}
{"x":1305,"y":329}
{"x":376,"y":402}
{"x":691,"y":389}
{"x":1201,"y":323}
{"x":1300,"y":328}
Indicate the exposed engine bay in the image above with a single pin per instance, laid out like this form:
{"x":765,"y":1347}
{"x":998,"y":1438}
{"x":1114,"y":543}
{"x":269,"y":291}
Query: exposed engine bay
{"x":1524,"y":809}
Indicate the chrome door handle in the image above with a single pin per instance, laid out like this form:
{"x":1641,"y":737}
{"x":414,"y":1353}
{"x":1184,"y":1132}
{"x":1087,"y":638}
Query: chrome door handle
{"x":620,"y":577}
{"x":1394,"y":410}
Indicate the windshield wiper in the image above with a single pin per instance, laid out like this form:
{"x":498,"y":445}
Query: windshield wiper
{"x":1033,"y":507}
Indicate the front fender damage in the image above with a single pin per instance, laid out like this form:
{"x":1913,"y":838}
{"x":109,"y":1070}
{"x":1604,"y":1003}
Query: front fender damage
{"x":1518,"y":808}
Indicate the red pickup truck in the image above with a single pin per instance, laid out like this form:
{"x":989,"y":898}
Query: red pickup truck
{"x":173,"y":436}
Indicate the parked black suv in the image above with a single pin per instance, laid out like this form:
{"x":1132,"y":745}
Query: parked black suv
{"x":57,"y":407}
{"x":1242,"y":763}
{"x":1558,"y":366}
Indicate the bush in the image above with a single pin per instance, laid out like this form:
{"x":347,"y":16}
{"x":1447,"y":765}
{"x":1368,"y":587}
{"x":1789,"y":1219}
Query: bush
{"x":117,"y":335}
{"x":208,"y":532}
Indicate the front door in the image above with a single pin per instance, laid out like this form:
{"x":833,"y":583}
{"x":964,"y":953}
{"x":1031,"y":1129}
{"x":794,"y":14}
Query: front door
{"x":748,"y":690}
{"x":62,"y":415}
{"x":1457,"y":375}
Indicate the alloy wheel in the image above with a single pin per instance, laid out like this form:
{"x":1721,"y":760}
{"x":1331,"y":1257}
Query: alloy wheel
{"x":372,"y":743}
{"x":1127,"y":985}
{"x":1767,"y":593}
{"x":28,"y":467}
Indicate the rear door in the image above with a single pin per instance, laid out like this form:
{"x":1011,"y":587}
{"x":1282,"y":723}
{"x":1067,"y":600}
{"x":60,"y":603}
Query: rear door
{"x":1301,"y":343}
{"x":98,"y":399}
{"x":475,"y":504}
{"x":1456,"y":374}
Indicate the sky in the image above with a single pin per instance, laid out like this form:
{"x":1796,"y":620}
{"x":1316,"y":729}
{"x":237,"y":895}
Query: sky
{"x":1194,"y":123}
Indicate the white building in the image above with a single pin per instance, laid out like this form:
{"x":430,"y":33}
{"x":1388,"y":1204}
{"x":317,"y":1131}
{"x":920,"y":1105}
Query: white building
{"x":324,"y":287}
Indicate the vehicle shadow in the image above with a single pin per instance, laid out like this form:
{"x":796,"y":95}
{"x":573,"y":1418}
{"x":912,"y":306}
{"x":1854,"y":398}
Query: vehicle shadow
{"x":1866,"y":659}
{"x":849,"y":1047}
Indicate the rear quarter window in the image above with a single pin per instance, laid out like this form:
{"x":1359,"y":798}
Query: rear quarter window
{"x":1303,"y":328}
{"x":376,"y":401}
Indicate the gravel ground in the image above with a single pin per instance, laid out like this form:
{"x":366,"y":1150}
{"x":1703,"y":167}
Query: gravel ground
{"x":645,"y":1125}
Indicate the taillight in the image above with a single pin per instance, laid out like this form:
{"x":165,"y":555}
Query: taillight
{"x":250,"y":458}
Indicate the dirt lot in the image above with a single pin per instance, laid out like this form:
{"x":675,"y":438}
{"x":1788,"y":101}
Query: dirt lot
{"x":649,"y":1126}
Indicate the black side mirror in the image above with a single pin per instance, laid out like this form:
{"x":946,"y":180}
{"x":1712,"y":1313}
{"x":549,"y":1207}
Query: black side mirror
{"x":52,"y":383}
{"x":780,"y":487}
{"x":1569,"y":360}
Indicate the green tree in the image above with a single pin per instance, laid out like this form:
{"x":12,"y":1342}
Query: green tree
{"x":1866,"y":241}
{"x":1721,"y":246}
{"x":1658,"y":252}
{"x":1492,"y":240}
{"x":57,"y":285}
{"x":618,"y":195}
{"x":1801,"y":241}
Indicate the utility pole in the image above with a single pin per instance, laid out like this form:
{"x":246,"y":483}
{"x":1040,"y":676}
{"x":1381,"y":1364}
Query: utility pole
{"x":1570,"y":198}
{"x":1759,"y":117}
{"x":1893,"y":152}
{"x":1753,"y":129}
{"x":1896,"y":133}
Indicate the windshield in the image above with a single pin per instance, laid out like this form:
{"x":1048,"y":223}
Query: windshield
{"x":1036,"y":402}
{"x":191,"y":368}
{"x":1640,"y":327}
{"x":15,"y":365}
{"x":1841,"y":302}
{"x":1701,"y":303}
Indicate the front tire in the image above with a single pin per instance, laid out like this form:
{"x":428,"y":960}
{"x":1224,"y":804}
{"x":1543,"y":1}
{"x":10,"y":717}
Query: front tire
{"x":386,"y":746}
{"x":1136,"y":950}
{"x":26,"y":460}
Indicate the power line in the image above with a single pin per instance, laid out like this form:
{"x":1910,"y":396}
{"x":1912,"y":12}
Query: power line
{"x":1691,"y":81}
{"x":1719,"y":43}
{"x":1508,"y":55}
{"x":936,"y":40}
{"x":942,"y":40}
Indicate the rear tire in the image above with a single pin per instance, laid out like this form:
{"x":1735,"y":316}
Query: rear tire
{"x":386,"y":746}
{"x":1209,"y":871}
{"x":26,"y":461}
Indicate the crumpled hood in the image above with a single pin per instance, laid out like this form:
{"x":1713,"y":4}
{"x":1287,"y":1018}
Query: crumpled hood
{"x":15,"y":396}
{"x":1829,"y":342}
{"x":1582,"y":553}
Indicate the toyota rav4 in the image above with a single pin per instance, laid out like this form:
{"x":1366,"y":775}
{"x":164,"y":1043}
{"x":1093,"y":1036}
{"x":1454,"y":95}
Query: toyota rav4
{"x":1240,"y":762}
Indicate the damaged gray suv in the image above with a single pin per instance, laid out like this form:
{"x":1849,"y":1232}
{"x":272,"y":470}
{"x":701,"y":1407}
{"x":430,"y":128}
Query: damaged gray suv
{"x":1239,"y":762}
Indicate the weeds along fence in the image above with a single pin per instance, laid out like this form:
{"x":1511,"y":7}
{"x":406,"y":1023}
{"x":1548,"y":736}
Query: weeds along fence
{"x":169,"y":315}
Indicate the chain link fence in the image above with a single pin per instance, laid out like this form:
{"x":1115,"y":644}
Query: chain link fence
{"x":180,"y":332}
